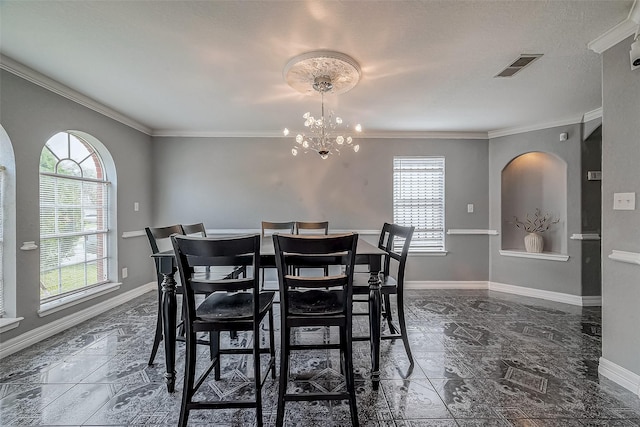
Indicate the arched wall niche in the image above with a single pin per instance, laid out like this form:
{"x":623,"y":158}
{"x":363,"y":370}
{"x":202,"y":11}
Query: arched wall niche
{"x":530,"y":181}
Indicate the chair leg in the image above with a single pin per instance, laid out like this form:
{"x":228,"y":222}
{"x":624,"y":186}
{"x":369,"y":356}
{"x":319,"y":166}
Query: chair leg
{"x":189,"y":377}
{"x":183,"y":313}
{"x":256,"y":373}
{"x":284,"y":374}
{"x":157,"y":339}
{"x":214,"y":349}
{"x":388,"y":315}
{"x":403,"y":326}
{"x":272,"y":345}
{"x":347,"y":344}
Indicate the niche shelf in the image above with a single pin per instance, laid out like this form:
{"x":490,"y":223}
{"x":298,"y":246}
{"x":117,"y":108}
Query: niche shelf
{"x":548,"y":256}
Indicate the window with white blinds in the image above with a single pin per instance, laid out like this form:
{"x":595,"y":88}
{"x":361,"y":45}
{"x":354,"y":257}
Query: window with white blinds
{"x":418,"y":200}
{"x":74,"y":202}
{"x":2,"y":172}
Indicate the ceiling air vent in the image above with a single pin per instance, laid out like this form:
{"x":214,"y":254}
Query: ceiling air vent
{"x":518,"y":65}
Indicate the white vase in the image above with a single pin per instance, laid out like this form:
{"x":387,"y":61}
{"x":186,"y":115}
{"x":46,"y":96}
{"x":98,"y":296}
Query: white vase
{"x":533,"y":242}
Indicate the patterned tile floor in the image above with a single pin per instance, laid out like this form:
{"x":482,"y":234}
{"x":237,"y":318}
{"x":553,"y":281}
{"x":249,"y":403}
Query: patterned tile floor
{"x":482,"y":359}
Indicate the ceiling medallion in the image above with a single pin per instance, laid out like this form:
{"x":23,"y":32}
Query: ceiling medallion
{"x":323,"y":72}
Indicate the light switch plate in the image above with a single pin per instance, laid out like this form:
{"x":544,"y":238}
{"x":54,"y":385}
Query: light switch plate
{"x":470,"y":208}
{"x":624,"y":201}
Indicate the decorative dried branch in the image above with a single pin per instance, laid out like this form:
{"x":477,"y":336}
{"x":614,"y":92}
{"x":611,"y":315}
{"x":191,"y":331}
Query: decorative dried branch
{"x":537,"y":223}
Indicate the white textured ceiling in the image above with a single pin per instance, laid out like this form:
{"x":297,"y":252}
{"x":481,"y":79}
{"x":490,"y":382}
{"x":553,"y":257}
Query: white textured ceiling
{"x":215,"y":67}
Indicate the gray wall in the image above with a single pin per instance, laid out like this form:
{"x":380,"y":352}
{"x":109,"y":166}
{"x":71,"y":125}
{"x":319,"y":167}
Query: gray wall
{"x":545,"y":275}
{"x":31,"y":115}
{"x":621,"y":229}
{"x":591,"y":194}
{"x":237,"y":182}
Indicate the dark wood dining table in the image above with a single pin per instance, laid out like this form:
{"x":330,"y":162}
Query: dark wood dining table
{"x":366,"y":254}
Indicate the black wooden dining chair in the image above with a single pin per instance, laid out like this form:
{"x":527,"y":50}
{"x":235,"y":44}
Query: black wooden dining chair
{"x":195,"y":229}
{"x":313,"y":227}
{"x":395,"y":241}
{"x":233,"y":304}
{"x":271,"y":227}
{"x":158,"y":236}
{"x":316,"y":301}
{"x":200,"y":230}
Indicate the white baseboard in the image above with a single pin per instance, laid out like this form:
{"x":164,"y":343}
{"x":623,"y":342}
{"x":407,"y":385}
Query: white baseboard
{"x":428,"y":284}
{"x":592,"y":301}
{"x":584,"y":301}
{"x":619,"y":375}
{"x":38,"y":334}
{"x":547,"y":295}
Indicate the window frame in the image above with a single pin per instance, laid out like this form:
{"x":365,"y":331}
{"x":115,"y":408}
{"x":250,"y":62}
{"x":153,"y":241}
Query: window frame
{"x":103,"y":210}
{"x":425,"y":175}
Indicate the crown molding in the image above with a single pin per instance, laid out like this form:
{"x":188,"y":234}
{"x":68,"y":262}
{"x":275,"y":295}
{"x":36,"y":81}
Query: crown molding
{"x":45,"y":82}
{"x":169,"y":133}
{"x":615,"y":35}
{"x":426,"y":135}
{"x":523,"y":129}
{"x":48,"y":83}
{"x":592,"y":115}
{"x":369,"y":135}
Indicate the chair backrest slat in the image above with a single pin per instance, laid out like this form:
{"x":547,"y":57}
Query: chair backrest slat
{"x":317,"y":282}
{"x":269,"y":227}
{"x":155,"y":234}
{"x":317,"y":227}
{"x":195,"y":229}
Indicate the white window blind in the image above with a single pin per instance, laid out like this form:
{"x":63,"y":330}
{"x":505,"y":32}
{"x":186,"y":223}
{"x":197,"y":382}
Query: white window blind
{"x":418,"y":200}
{"x":74,"y":202}
{"x":2,"y":172}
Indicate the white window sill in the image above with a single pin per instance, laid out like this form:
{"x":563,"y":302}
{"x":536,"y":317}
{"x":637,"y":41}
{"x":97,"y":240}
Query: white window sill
{"x":8,"y":323}
{"x":71,"y":300}
{"x":544,"y":255}
{"x":438,"y":253}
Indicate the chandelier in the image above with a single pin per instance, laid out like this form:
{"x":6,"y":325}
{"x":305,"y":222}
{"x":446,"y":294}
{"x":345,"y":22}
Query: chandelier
{"x":322,"y":72}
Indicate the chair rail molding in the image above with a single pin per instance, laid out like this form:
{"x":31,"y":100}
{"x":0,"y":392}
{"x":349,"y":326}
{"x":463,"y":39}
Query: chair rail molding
{"x":130,"y":234}
{"x":585,"y":236}
{"x":469,"y":231}
{"x":624,"y":256}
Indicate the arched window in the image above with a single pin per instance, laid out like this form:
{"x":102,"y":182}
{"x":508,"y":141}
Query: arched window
{"x":74,"y":217}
